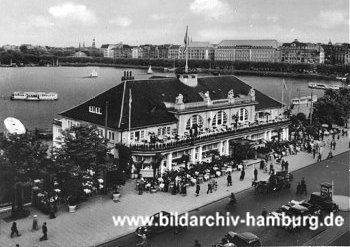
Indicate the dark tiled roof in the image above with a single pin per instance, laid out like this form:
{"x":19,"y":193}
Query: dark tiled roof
{"x":104,"y":46}
{"x":148,"y":96}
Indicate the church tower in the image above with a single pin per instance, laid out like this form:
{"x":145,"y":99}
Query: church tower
{"x":93,"y":43}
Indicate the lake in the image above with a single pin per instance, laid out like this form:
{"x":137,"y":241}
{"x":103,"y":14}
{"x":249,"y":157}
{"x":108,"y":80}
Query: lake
{"x":74,"y":87}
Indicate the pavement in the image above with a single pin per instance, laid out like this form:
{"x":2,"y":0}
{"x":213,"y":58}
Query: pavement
{"x":92,"y":224}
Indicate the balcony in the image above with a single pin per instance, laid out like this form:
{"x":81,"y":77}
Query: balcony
{"x":207,"y":136}
{"x":57,"y":122}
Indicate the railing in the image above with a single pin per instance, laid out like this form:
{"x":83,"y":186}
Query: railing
{"x":210,"y":136}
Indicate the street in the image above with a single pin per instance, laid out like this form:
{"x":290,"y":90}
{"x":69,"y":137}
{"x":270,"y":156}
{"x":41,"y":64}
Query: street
{"x":337,"y":169}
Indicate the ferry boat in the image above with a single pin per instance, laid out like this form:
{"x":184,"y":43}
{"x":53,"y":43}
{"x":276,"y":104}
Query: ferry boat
{"x":304,"y":100}
{"x":34,"y":96}
{"x":318,"y":85}
{"x":13,"y":126}
{"x":150,"y":71}
{"x":93,"y":74}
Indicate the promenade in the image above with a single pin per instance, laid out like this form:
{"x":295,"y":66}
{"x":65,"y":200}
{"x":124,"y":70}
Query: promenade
{"x":92,"y":224}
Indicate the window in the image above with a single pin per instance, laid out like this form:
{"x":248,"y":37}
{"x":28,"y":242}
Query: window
{"x":220,"y":119}
{"x":132,"y":136}
{"x":194,"y":120}
{"x":243,"y":114}
{"x":94,"y":109}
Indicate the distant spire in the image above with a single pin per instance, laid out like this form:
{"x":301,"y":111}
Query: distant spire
{"x":79,"y":46}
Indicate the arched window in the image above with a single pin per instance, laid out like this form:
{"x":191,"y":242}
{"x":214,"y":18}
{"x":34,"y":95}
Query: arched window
{"x":194,"y":120}
{"x":243,"y":114}
{"x":220,"y":119}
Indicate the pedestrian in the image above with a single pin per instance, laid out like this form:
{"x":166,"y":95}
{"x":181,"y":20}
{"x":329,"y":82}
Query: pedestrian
{"x":264,"y":214}
{"x":334,"y":143}
{"x":286,"y":165}
{"x":44,"y":230}
{"x":35,"y":225}
{"x":196,"y":243}
{"x":210,"y":188}
{"x":319,"y":157}
{"x":262,"y":165}
{"x":303,"y":186}
{"x":14,"y":230}
{"x":143,"y":242}
{"x":271,"y":168}
{"x":314,"y":153}
{"x":298,"y":189}
{"x":198,"y":188}
{"x":255,"y":174}
{"x":52,"y":211}
{"x":242,"y":174}
{"x":229,"y":180}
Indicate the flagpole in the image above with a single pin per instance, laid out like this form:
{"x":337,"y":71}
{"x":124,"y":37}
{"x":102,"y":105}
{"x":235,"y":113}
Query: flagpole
{"x":129,"y":127}
{"x":283,"y":83}
{"x":186,"y":47}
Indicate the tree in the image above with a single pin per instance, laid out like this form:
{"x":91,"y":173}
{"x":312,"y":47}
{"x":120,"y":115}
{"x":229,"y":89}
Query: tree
{"x":23,"y":159}
{"x":82,"y":150}
{"x":333,"y":107}
{"x":158,"y":158}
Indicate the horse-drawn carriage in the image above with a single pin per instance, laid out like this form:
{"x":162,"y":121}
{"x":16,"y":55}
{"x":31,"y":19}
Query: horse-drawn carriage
{"x":279,"y":181}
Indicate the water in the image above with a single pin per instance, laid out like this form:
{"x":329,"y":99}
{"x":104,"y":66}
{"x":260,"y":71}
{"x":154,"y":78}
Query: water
{"x":74,"y":87}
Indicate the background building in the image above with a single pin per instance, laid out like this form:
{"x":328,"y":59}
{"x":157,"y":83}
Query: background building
{"x":337,"y":53}
{"x":247,"y":50}
{"x":122,"y":51}
{"x":298,"y":52}
{"x":198,"y":51}
{"x":174,"y":52}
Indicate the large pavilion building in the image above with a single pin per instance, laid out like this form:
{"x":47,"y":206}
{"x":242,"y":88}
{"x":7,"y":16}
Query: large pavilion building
{"x":186,"y":114}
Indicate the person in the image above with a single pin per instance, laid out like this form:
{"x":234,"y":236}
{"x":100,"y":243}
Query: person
{"x":14,"y":230}
{"x":196,"y":243}
{"x":271,"y":169}
{"x":242,"y":174}
{"x":143,"y":241}
{"x":44,"y":229}
{"x":314,"y":153}
{"x":229,"y":180}
{"x":52,"y":211}
{"x":264,"y":213}
{"x":303,"y":186}
{"x":319,"y":157}
{"x":262,"y":164}
{"x":210,"y":187}
{"x":255,"y":174}
{"x":198,"y":188}
{"x":35,"y":225}
{"x":330,"y":155}
{"x":286,"y":165}
{"x":298,"y":189}
{"x":233,"y":199}
{"x":334,"y":143}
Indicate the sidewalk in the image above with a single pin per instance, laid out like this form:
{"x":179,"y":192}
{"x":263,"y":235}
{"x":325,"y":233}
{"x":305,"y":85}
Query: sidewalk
{"x":92,"y":224}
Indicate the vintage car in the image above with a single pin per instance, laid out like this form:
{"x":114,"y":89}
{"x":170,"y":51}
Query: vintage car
{"x":323,"y":199}
{"x":239,"y":239}
{"x":150,"y":230}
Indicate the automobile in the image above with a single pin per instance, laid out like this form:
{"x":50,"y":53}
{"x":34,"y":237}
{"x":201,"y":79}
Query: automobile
{"x":239,"y":239}
{"x":151,"y":230}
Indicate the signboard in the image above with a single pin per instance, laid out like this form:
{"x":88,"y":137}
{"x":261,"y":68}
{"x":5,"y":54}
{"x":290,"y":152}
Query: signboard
{"x":326,"y":190}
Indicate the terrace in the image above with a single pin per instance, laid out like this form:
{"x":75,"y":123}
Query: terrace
{"x":170,"y":142}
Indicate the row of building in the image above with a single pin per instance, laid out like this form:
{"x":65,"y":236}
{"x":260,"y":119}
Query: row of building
{"x":237,"y":50}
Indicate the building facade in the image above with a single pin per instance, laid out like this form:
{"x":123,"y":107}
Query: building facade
{"x":247,"y":50}
{"x":336,"y":54}
{"x":108,"y":50}
{"x":175,"y":116}
{"x":174,"y":52}
{"x":298,"y":52}
{"x":198,"y":51}
{"x":122,"y":51}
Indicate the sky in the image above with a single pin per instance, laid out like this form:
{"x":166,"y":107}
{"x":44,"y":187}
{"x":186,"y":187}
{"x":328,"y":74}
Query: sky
{"x":135,"y":22}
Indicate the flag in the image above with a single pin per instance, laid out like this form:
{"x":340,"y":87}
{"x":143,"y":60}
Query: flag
{"x":284,"y":85}
{"x":130,"y":98}
{"x":186,"y":40}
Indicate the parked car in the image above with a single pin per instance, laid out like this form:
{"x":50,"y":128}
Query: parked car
{"x":239,"y":239}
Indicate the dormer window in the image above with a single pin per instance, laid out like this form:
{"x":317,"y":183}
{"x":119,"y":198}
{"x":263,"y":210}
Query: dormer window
{"x":95,"y":109}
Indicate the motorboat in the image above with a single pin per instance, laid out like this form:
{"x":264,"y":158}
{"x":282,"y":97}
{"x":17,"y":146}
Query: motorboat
{"x":150,"y":71}
{"x":304,"y":100}
{"x":13,"y":126}
{"x":318,"y":85}
{"x":93,"y":74}
{"x":34,"y":96}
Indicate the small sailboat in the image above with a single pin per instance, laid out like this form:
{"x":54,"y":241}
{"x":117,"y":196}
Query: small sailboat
{"x":93,"y":74}
{"x":150,"y":71}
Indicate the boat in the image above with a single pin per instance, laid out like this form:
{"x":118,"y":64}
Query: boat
{"x":14,"y":126}
{"x":150,"y":71}
{"x":334,"y":87}
{"x":304,"y":100}
{"x":93,"y":74}
{"x":318,"y":85}
{"x":34,"y":96}
{"x":169,"y":69}
{"x":341,"y":78}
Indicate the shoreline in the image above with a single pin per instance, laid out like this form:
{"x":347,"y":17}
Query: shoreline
{"x":205,"y":71}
